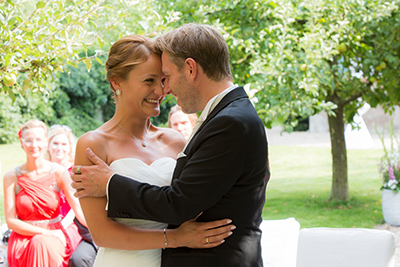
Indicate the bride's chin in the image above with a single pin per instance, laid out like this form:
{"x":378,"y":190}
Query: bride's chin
{"x":155,"y":114}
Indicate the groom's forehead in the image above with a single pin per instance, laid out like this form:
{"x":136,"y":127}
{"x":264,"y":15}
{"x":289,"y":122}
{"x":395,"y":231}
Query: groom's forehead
{"x":166,"y":63}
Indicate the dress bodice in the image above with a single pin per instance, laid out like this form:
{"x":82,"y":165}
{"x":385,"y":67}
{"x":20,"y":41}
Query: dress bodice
{"x":157,"y":173}
{"x":37,"y":199}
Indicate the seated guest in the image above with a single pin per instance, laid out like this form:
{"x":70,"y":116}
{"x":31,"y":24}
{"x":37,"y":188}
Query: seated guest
{"x":61,"y":150}
{"x":32,"y":204}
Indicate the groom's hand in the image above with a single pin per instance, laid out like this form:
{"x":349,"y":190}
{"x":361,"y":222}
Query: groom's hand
{"x":91,"y":181}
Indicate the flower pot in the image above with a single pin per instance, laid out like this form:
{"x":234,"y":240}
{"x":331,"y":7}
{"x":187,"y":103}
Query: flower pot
{"x":391,"y":207}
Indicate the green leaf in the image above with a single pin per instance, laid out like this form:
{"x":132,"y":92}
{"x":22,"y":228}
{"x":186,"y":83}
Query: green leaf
{"x":56,"y":43}
{"x":26,"y":84}
{"x":40,"y":4}
{"x":11,"y":94}
{"x":99,"y":60}
{"x":88,"y":64}
{"x":100,"y":42}
{"x":72,"y":63}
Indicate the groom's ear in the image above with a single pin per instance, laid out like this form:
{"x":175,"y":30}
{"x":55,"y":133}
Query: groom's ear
{"x":190,"y":69}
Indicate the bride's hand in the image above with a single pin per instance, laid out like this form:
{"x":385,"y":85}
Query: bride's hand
{"x":194,"y":234}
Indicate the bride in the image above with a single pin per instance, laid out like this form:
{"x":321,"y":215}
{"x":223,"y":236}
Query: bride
{"x":132,"y":146}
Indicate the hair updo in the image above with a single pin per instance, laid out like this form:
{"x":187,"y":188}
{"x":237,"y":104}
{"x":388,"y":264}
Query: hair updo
{"x":126,"y":53}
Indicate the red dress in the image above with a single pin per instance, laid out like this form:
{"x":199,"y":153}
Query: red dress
{"x":38,"y":203}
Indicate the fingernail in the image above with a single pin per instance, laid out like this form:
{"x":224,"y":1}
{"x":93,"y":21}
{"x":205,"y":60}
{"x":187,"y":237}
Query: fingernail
{"x":233,"y":227}
{"x":222,"y":241}
{"x":228,"y":221}
{"x":230,"y":233}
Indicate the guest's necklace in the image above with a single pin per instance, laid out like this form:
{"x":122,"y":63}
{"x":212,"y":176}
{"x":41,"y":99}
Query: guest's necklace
{"x":144,"y":144}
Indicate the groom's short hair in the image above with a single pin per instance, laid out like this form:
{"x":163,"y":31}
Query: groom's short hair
{"x":200,"y":42}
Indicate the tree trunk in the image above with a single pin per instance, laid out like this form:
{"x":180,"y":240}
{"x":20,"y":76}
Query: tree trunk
{"x":340,"y":187}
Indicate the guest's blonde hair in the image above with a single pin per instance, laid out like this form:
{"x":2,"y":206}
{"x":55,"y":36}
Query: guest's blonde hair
{"x":59,"y":130}
{"x":33,"y":123}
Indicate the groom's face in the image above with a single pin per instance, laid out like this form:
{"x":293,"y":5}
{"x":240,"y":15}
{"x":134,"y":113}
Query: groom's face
{"x":176,"y":83}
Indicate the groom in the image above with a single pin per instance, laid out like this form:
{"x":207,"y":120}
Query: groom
{"x":222,"y":171}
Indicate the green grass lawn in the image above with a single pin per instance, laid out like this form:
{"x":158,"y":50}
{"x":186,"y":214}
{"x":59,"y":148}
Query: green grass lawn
{"x":299,"y":186}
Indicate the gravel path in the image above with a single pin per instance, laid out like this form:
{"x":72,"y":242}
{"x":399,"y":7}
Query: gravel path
{"x":308,"y":139}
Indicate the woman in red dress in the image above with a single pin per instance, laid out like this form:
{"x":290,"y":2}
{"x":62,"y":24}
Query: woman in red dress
{"x":32,"y":204}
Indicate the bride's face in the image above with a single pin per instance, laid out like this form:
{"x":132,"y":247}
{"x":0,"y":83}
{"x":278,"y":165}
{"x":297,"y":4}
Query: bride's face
{"x":142,"y":92}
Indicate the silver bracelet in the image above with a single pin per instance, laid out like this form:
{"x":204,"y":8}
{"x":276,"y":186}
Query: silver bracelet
{"x":165,"y":238}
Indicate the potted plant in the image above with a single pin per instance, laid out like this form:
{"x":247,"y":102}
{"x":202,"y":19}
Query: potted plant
{"x":390,"y":171}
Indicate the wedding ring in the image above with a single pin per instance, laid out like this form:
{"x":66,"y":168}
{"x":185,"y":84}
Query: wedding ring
{"x":78,"y":169}
{"x":207,"y":241}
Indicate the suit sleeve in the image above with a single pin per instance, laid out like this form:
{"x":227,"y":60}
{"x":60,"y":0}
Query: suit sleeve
{"x":214,"y":164}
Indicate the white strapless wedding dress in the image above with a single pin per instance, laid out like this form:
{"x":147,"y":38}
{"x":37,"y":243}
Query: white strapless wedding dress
{"x":158,"y":173}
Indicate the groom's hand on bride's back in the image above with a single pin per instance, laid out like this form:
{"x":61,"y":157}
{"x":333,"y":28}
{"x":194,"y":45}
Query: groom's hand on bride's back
{"x":91,"y":181}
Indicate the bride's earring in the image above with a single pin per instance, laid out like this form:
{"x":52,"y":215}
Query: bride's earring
{"x":117,"y":92}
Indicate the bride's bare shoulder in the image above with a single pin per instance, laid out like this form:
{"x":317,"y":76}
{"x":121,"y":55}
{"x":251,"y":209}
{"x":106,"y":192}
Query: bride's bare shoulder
{"x":98,"y":140}
{"x":94,"y":136}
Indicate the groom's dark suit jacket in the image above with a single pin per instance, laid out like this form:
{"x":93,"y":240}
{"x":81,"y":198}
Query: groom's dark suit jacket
{"x":223,"y":174}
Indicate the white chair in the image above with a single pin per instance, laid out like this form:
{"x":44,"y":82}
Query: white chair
{"x":345,"y":247}
{"x":279,"y":242}
{"x":3,"y":255}
{"x":3,"y":247}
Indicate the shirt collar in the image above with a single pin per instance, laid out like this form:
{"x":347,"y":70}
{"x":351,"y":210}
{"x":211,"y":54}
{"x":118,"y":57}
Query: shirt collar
{"x":213,"y":102}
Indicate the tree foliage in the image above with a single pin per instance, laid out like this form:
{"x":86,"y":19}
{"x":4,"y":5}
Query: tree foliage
{"x":14,"y":114}
{"x":336,"y":56}
{"x":303,"y":57}
{"x":51,"y":58}
{"x":296,"y":58}
{"x":81,"y":98}
{"x":38,"y":37}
